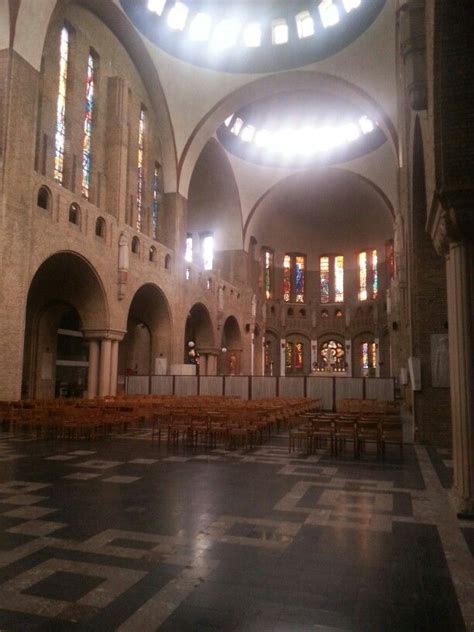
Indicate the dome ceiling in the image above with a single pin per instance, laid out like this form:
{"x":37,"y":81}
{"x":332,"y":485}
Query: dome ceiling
{"x":250,"y":36}
{"x":299,"y":128}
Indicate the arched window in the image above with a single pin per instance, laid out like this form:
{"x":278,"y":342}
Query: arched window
{"x":267,"y":264}
{"x":60,"y":137}
{"x":168,"y":262}
{"x":88,"y":121}
{"x":152,"y":255}
{"x":75,"y":214}
{"x":293,"y":278}
{"x":368,"y":358}
{"x":141,"y":168}
{"x":331,"y":279}
{"x":136,"y":246}
{"x":207,"y":251}
{"x":188,"y":255}
{"x":100,"y":227}
{"x":368,"y":275}
{"x":44,"y":198}
{"x":156,"y":201}
{"x":294,"y":358}
{"x":332,"y":357}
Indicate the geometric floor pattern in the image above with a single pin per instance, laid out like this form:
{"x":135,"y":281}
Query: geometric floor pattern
{"x":126,"y":535}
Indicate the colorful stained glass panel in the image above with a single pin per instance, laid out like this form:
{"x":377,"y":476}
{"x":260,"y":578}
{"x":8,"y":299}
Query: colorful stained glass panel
{"x":339,"y":279}
{"x":60,"y":137}
{"x":299,"y":279}
{"x":324,"y":279}
{"x":87,"y":142}
{"x":287,"y":278}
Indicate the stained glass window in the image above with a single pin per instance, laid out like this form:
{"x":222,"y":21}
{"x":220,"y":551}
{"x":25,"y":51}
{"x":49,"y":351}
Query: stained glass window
{"x":299,"y":279}
{"x":188,"y":255}
{"x":298,"y":355}
{"x":60,"y":138}
{"x":87,"y":143}
{"x":324,"y":276}
{"x":332,"y":356}
{"x":141,"y":174}
{"x":155,"y":207}
{"x":208,"y":252}
{"x":373,"y":352}
{"x":365,"y":355}
{"x":268,"y":272}
{"x":368,"y":275}
{"x":287,"y":278}
{"x":363,"y":276}
{"x":339,"y":279}
{"x":289,"y":355}
{"x":375,"y":275}
{"x":369,"y":355}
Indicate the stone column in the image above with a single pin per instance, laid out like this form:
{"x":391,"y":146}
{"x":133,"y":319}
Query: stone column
{"x":252,"y":354}
{"x":348,"y":344}
{"x":93,"y":373}
{"x":460,"y":268}
{"x":282,"y":357}
{"x":114,"y":367}
{"x":377,"y":357}
{"x":104,"y":367}
{"x":451,"y":227}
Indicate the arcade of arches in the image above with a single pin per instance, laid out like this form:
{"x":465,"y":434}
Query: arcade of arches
{"x":159,"y":217}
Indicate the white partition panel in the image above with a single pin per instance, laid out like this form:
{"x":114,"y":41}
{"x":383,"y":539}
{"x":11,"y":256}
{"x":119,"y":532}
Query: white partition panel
{"x":291,"y":386}
{"x":321,"y":388}
{"x":185,"y":385}
{"x":349,"y":388}
{"x":210,"y":385}
{"x":263,"y":387}
{"x":138,"y":384}
{"x":237,"y":387}
{"x":380,"y":388}
{"x":162,"y":385}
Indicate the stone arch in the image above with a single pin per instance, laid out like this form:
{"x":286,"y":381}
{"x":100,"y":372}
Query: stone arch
{"x":297,"y":362}
{"x":64,"y":282}
{"x":267,"y":86}
{"x":200,"y":330}
{"x":214,"y":199}
{"x":29,"y":43}
{"x":149,"y":333}
{"x":311,"y":174}
{"x":230,"y":361}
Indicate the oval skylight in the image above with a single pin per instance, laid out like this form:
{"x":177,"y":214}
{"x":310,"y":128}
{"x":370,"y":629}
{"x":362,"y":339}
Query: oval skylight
{"x":240,"y":35}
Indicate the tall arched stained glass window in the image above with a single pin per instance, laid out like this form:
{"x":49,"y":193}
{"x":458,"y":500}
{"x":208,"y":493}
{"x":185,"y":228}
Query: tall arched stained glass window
{"x":324,"y":279}
{"x":293,"y":278}
{"x":268,"y":273}
{"x":339,"y":279}
{"x":362,"y":276}
{"x":375,"y":275}
{"x":141,"y":166}
{"x":287,"y":278}
{"x":368,"y":355}
{"x":155,"y":207}
{"x":368,"y":275}
{"x":60,"y":137}
{"x":299,"y":279}
{"x":88,"y":119}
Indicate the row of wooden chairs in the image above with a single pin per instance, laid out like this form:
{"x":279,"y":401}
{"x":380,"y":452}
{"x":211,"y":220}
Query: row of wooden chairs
{"x":102,"y":417}
{"x":336,"y":431}
{"x":371,"y":406}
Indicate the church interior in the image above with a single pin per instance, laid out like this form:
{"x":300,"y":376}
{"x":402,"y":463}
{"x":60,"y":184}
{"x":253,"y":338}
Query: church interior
{"x":237,"y":315}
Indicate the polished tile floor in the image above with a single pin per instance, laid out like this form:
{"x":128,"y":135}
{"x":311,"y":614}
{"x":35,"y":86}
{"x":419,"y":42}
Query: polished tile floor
{"x":127,"y":536}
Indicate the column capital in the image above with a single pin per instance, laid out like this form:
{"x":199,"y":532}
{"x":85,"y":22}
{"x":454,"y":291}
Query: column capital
{"x":451,"y":218}
{"x":103,"y":334}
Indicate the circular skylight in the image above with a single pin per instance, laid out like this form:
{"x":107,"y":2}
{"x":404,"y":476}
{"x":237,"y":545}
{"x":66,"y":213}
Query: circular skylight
{"x":299,"y":128}
{"x":244,"y":34}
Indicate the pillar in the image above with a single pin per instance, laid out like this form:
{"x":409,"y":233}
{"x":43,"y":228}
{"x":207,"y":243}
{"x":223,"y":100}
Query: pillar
{"x":282,"y":357}
{"x":348,"y":344}
{"x":114,"y":367}
{"x":460,"y":269}
{"x":93,"y":372}
{"x":377,"y":357}
{"x":252,"y":353}
{"x":104,"y":367}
